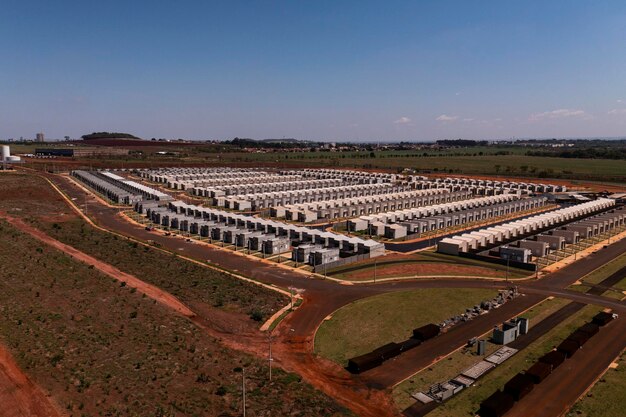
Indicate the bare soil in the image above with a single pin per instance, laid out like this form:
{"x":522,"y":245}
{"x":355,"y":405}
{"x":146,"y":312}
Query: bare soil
{"x":19,"y":396}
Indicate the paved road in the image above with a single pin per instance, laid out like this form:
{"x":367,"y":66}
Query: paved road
{"x":322,"y":297}
{"x":555,"y":395}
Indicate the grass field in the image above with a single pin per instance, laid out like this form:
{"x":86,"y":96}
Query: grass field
{"x":101,"y":348}
{"x":462,"y":359}
{"x":478,"y":160}
{"x":607,"y":398}
{"x":188,"y":281}
{"x":422,"y":264}
{"x":602,"y":273}
{"x":467,"y":402}
{"x":489,"y":164}
{"x":372,"y":322}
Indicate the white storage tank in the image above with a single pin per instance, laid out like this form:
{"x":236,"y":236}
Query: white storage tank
{"x":6,"y":153}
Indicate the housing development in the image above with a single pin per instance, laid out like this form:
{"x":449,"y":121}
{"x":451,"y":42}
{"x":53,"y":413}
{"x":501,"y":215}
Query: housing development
{"x":313,"y":209}
{"x":438,"y":295}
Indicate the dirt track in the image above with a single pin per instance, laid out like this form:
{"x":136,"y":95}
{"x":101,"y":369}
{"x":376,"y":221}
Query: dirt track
{"x":19,"y":396}
{"x":132,"y":281}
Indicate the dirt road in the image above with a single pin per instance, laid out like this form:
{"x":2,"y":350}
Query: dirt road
{"x":151,"y":291}
{"x":19,"y":396}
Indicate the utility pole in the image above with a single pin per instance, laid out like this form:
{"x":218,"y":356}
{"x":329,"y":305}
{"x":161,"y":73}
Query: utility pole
{"x":375,"y":265}
{"x":507,"y":267}
{"x":243,"y":389}
{"x":270,"y":358}
{"x":537,"y":268}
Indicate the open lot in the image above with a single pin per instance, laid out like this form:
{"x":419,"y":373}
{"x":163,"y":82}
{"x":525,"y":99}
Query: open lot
{"x":421,"y":264}
{"x":101,"y":348}
{"x":32,"y":198}
{"x":372,"y":322}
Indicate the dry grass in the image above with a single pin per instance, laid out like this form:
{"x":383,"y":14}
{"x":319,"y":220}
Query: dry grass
{"x":101,"y":348}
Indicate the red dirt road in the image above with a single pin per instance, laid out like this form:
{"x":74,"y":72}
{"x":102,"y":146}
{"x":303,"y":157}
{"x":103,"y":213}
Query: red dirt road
{"x":150,"y":290}
{"x":19,"y":396}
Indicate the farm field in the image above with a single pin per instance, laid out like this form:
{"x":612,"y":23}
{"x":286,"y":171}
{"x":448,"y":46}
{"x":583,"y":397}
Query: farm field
{"x":101,"y":348}
{"x":503,"y":161}
{"x":370,"y":323}
{"x":32,"y":198}
{"x":440,"y":162}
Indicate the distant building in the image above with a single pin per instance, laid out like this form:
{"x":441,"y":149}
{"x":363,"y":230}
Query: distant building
{"x":81,"y":152}
{"x":40,"y":137}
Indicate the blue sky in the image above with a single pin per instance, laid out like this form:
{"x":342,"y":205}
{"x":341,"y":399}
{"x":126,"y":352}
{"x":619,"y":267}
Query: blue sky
{"x":329,"y":70}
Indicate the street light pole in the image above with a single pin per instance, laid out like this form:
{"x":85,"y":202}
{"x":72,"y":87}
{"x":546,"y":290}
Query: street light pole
{"x":270,"y":359}
{"x":508,"y":259}
{"x":375,"y":269}
{"x":243,"y":389}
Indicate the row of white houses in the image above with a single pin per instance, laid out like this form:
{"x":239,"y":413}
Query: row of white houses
{"x":279,"y":199}
{"x":267,"y":236}
{"x":117,"y":188}
{"x":106,"y":188}
{"x":174,"y":174}
{"x":449,"y":215}
{"x":249,"y":189}
{"x":492,"y":235}
{"x":528,"y":187}
{"x":368,"y":205}
{"x":148,"y":193}
{"x":397,"y":216}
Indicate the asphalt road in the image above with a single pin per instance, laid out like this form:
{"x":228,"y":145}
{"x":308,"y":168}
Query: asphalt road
{"x":322,"y":297}
{"x":555,"y":395}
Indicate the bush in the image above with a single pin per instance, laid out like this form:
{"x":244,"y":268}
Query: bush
{"x":256,"y":315}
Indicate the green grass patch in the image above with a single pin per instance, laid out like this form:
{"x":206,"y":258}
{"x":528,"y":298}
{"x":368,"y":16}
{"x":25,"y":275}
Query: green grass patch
{"x":605,"y":271}
{"x":370,"y":323}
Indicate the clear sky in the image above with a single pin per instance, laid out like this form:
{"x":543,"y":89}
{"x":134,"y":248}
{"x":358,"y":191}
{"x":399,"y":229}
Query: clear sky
{"x":329,"y":70}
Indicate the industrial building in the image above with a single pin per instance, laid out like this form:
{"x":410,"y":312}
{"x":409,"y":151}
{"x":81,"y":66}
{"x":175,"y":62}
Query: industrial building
{"x":7,"y":158}
{"x":510,"y":331}
{"x":79,"y":152}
